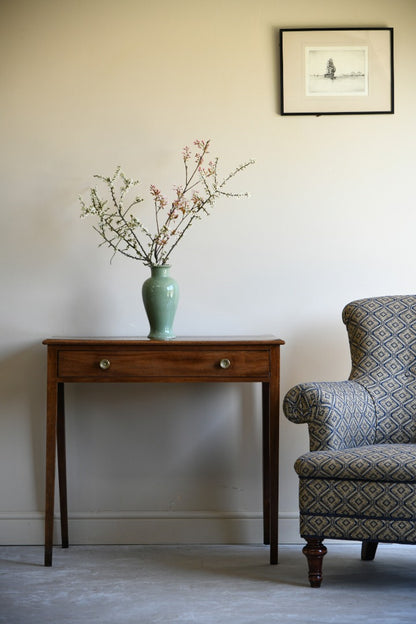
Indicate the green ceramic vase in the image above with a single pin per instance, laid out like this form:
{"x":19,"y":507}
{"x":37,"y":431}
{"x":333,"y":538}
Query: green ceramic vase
{"x":160,"y":294}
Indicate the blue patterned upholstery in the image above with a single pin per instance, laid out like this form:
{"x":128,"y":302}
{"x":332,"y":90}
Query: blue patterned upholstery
{"x":382,"y":335}
{"x":339,"y":414}
{"x":379,"y":462}
{"x":359,"y":479}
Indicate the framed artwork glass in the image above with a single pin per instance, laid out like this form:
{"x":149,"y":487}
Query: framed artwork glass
{"x":336,"y":71}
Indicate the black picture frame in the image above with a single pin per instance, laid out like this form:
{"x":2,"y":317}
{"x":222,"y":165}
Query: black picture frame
{"x":336,"y":71}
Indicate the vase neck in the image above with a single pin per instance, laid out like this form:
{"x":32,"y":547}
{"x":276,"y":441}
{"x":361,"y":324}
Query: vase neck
{"x":160,"y":270}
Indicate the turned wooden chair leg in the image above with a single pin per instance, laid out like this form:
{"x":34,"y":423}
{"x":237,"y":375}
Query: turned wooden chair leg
{"x":314,"y":551}
{"x":368,"y":550}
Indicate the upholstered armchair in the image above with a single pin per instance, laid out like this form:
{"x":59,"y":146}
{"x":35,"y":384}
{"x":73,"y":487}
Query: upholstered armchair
{"x":358,"y":482}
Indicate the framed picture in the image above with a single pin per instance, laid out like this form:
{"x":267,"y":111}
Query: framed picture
{"x":336,"y":71}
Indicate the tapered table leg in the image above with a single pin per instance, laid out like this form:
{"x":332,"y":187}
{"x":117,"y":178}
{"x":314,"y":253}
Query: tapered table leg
{"x":266,"y":462}
{"x":51,"y":428}
{"x":62,"y":466}
{"x":274,"y":453}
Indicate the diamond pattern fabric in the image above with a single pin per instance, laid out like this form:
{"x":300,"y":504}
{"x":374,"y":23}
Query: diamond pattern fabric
{"x":382,"y":335}
{"x":339,"y":414}
{"x":378,"y":462}
{"x":359,"y":479}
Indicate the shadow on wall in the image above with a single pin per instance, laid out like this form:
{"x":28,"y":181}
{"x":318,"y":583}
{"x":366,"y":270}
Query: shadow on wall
{"x":164,"y":447}
{"x":23,"y":394}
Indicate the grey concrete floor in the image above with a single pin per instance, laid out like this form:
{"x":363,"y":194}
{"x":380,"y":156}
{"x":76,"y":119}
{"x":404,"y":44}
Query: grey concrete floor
{"x":205,"y":585}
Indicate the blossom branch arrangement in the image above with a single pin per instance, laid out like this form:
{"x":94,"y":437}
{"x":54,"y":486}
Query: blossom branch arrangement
{"x":122,"y":231}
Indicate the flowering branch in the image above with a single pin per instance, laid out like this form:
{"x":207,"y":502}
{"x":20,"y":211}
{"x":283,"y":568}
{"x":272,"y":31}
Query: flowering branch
{"x":123,"y":232}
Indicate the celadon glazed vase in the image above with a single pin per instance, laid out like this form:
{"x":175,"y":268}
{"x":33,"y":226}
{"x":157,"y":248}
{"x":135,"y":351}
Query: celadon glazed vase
{"x":160,"y":294}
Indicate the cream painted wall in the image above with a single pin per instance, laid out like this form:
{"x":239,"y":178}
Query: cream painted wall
{"x":88,"y":85}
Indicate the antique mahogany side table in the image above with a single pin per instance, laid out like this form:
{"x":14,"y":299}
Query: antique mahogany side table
{"x":193,"y":359}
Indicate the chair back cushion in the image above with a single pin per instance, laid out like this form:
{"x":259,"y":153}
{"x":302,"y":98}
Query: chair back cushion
{"x":382,"y":336}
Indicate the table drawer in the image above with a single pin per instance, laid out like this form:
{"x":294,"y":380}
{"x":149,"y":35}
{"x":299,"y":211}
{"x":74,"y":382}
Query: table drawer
{"x":107,"y":364}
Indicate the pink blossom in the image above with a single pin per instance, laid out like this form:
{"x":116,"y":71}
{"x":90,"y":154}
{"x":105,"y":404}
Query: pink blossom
{"x":121,"y":232}
{"x":186,"y":153}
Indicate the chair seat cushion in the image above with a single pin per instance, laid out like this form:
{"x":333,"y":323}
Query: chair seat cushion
{"x":378,"y":462}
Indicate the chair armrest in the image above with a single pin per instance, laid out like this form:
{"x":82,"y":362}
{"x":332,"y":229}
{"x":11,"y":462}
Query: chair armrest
{"x":339,"y":414}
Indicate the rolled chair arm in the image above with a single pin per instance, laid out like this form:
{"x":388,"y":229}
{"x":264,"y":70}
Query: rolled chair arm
{"x":339,"y":414}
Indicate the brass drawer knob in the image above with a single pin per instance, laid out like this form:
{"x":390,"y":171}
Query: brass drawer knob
{"x":225,"y":363}
{"x":104,"y":364}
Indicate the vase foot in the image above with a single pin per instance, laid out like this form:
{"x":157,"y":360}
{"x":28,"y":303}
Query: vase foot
{"x":160,"y":337}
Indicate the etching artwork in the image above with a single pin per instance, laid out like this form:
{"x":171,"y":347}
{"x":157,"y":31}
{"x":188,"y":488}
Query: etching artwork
{"x":336,"y":71}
